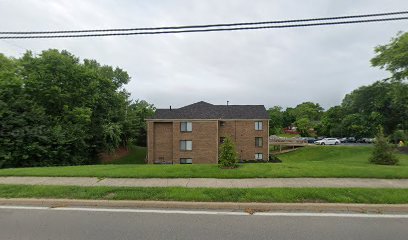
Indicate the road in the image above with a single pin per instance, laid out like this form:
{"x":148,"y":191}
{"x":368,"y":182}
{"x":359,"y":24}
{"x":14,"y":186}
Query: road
{"x":78,"y":223}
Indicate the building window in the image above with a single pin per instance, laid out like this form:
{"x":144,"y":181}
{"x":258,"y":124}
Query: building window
{"x":186,"y":145}
{"x":222,"y":139}
{"x":258,"y":125}
{"x":222,"y":123}
{"x":258,"y":156}
{"x":186,"y":160}
{"x":186,"y":126}
{"x":258,"y":142}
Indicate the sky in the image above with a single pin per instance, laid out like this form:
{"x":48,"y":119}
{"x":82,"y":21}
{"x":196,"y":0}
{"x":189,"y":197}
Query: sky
{"x":270,"y":67}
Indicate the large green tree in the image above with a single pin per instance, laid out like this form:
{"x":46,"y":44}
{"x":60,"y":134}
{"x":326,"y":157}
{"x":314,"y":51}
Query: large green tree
{"x":276,"y":120}
{"x":393,"y":57}
{"x":58,"y":110}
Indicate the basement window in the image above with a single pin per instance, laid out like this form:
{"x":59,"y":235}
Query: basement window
{"x":222,"y":139}
{"x":258,"y":156}
{"x":186,"y":160}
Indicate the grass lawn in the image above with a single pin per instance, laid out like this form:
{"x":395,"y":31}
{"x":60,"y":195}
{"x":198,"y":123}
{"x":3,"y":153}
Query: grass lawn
{"x":287,"y":195}
{"x":313,"y":161}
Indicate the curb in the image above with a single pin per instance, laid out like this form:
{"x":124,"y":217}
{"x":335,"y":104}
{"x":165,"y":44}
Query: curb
{"x":232,"y":206}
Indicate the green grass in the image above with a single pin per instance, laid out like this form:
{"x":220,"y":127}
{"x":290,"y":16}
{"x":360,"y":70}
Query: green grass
{"x":136,"y":155}
{"x":287,"y":195}
{"x":314,"y":161}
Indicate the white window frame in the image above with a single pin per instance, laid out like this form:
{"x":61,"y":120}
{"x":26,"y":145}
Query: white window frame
{"x":186,"y":161}
{"x":186,"y":126}
{"x":258,"y":156}
{"x":258,"y":125}
{"x":186,"y":145}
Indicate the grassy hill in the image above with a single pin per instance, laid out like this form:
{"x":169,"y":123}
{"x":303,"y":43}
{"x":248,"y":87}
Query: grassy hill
{"x":313,"y":161}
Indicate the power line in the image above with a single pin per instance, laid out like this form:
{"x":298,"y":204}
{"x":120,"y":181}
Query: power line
{"x":203,"y":30}
{"x":209,"y":25}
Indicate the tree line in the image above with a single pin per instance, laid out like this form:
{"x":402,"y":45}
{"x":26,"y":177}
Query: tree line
{"x":383,"y":103}
{"x":58,"y":110}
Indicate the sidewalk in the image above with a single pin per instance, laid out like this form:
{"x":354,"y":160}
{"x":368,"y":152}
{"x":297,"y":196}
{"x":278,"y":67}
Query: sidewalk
{"x":212,"y":182}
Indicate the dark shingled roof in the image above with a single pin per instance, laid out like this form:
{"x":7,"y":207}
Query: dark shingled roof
{"x":204,"y":110}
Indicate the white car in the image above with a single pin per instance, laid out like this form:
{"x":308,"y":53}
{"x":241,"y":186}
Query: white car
{"x":328,"y":141}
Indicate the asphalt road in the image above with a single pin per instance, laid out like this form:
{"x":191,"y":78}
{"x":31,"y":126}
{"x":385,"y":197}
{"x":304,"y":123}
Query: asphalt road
{"x":44,"y":223}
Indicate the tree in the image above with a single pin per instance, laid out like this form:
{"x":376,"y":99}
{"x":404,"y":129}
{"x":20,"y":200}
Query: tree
{"x":331,"y":123}
{"x":288,"y":117}
{"x":135,"y":129}
{"x":58,"y":110}
{"x":275,"y":120}
{"x":307,"y":115}
{"x":393,"y":57}
{"x":228,"y":155}
{"x":304,"y":126}
{"x":383,"y":152}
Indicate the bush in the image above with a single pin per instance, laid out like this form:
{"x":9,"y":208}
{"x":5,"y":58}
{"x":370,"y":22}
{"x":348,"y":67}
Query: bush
{"x":383,"y":152}
{"x":228,"y":155}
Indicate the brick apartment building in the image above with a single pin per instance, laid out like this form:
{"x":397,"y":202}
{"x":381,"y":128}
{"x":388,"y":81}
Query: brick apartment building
{"x":193,"y":134}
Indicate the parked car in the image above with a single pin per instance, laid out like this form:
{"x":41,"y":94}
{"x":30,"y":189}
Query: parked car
{"x":309,"y":139}
{"x":369,"y":140}
{"x":328,"y":141}
{"x":351,"y":139}
{"x":343,"y":140}
{"x":366,"y":140}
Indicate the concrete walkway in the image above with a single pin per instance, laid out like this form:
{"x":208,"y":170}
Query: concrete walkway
{"x":211,"y":182}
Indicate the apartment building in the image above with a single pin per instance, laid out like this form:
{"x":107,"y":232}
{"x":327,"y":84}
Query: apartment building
{"x":193,"y":134}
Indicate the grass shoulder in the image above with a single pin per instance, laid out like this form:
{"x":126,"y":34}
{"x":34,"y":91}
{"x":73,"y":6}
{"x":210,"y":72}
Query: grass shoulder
{"x":269,"y":195}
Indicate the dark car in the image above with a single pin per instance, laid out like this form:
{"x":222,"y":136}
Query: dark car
{"x":351,"y":139}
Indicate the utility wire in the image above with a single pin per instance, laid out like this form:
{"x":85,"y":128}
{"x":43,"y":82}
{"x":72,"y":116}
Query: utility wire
{"x":203,"y":30}
{"x":211,"y":25}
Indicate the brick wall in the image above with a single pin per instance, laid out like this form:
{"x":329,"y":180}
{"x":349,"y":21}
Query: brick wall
{"x":164,"y":140}
{"x":205,"y":144}
{"x":243,"y":133}
{"x":160,"y":136}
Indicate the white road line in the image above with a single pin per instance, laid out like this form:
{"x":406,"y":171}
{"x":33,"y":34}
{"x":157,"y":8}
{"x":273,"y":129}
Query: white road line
{"x":24,"y":207}
{"x":347,"y":215}
{"x":202,"y":212}
{"x":124,"y":210}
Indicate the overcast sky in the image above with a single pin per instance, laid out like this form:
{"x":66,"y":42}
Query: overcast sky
{"x":270,"y":67}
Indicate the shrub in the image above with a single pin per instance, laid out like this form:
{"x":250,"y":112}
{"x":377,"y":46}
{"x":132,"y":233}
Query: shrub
{"x":383,"y":152}
{"x":228,"y":155}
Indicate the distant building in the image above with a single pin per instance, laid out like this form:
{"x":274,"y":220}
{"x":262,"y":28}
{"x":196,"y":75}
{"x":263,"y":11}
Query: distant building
{"x":193,"y":134}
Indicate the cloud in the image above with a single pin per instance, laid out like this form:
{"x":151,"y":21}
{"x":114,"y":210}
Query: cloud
{"x":271,"y":67}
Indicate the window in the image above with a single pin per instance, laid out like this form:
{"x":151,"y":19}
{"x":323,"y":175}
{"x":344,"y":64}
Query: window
{"x":186,"y":145}
{"x":186,"y":126}
{"x":258,"y":156}
{"x":258,"y":142}
{"x":186,"y":160}
{"x":222,"y":123}
{"x":222,"y":139}
{"x":258,"y":125}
